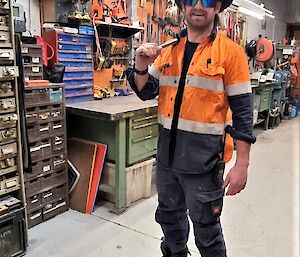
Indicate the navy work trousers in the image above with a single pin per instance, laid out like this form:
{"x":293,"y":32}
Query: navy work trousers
{"x":200,"y":197}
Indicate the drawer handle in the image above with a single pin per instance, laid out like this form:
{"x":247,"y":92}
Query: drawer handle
{"x":145,"y":118}
{"x":47,"y":195}
{"x":33,"y":217}
{"x":144,"y":125}
{"x":142,"y":139}
{"x":34,"y":201}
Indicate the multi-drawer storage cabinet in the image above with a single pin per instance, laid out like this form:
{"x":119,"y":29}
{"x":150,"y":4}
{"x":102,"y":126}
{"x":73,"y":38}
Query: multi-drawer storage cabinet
{"x":75,"y":52}
{"x":46,"y":186}
{"x":33,"y":62}
{"x":13,"y":233}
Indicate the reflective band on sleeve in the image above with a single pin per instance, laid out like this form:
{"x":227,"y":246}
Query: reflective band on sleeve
{"x":239,"y":89}
{"x":205,"y":83}
{"x":153,"y":71}
{"x":172,"y":81}
{"x":193,"y":126}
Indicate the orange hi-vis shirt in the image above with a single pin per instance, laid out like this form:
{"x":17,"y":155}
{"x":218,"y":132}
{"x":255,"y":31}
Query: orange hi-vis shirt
{"x":217,"y":82}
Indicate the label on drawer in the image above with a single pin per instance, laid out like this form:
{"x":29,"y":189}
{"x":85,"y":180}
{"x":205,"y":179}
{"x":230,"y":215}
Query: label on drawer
{"x":35,"y":60}
{"x":25,"y":50}
{"x":11,"y":183}
{"x":46,"y":168}
{"x":35,"y":69}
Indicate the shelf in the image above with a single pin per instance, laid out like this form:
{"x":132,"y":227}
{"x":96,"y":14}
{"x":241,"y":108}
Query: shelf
{"x":118,"y":30}
{"x":118,"y":58}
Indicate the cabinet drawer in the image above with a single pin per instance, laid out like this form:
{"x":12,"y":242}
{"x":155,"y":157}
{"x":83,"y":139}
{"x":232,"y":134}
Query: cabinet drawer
{"x":8,"y":72}
{"x":6,"y":89}
{"x":8,"y":120}
{"x":7,"y":105}
{"x":8,"y":134}
{"x":264,"y":104}
{"x":142,"y":137}
{"x":6,"y":55}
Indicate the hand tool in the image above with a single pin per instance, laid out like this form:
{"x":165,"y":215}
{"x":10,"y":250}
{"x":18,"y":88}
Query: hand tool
{"x":170,"y":42}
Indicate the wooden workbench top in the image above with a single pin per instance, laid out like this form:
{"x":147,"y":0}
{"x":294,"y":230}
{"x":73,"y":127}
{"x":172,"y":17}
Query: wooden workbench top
{"x":113,"y":108}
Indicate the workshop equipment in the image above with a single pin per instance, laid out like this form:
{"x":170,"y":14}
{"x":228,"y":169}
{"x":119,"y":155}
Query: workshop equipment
{"x":164,"y":45}
{"x":264,"y":50}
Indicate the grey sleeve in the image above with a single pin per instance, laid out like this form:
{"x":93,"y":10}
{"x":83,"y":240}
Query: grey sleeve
{"x":150,"y":90}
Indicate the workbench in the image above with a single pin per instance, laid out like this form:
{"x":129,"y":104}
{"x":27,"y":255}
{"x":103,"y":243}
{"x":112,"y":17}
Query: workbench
{"x":127,"y":125}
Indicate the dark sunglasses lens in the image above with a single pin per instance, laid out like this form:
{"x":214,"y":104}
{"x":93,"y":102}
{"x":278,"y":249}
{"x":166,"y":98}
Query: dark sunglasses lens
{"x":190,"y":2}
{"x":208,"y":3}
{"x":205,"y":3}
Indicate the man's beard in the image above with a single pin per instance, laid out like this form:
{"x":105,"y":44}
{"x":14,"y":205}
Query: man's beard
{"x":203,"y":26}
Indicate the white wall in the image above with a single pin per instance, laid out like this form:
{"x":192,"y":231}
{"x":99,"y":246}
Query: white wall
{"x":32,"y":10}
{"x":293,"y":11}
{"x":276,"y":28}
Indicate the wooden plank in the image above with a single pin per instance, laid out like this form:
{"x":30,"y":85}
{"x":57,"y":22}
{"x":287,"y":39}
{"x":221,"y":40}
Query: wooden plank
{"x":81,"y":155}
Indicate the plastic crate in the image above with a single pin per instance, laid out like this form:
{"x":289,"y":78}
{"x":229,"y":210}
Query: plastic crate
{"x":13,"y":234}
{"x":138,"y":181}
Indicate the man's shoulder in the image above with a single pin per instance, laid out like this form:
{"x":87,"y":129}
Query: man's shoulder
{"x":230,"y":44}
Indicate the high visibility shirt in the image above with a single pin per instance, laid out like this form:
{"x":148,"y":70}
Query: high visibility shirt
{"x":217,"y":78}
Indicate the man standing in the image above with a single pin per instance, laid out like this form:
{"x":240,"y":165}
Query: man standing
{"x":197,"y":81}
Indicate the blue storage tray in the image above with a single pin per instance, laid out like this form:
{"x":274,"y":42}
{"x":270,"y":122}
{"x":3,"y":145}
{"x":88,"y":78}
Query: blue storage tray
{"x":75,"y":38}
{"x":86,"y":30}
{"x":77,"y":99}
{"x":78,"y":82}
{"x":74,"y":47}
{"x":76,"y":64}
{"x":75,"y":55}
{"x":79,"y":91}
{"x":69,"y":74}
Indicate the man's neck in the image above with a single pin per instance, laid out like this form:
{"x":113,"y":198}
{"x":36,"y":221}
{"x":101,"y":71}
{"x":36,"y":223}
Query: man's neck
{"x":198,"y":36}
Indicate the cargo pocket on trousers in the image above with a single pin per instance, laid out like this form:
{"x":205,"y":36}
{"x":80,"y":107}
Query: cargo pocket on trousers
{"x":212,"y":202}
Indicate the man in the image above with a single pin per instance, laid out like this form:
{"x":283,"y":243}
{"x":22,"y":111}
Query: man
{"x":197,"y":80}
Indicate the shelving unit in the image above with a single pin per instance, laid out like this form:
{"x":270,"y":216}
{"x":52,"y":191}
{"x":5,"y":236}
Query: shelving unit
{"x":46,"y":186}
{"x":75,"y":52}
{"x":12,"y":198}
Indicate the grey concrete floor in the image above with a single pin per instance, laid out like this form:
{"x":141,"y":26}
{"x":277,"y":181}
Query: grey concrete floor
{"x":262,"y":221}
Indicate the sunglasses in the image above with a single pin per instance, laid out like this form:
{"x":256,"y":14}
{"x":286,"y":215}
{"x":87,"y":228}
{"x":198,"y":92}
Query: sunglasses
{"x":205,"y":3}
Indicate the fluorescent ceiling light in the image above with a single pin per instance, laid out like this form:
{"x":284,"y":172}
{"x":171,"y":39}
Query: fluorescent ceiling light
{"x":270,"y":15}
{"x":252,"y":13}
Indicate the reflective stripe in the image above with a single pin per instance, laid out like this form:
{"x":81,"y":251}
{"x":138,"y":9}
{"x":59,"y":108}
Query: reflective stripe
{"x":205,"y":83}
{"x":153,"y":71}
{"x":193,"y":126}
{"x":239,"y":89}
{"x":172,"y":81}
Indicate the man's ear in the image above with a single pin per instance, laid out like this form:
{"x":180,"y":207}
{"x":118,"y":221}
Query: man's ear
{"x":218,"y":6}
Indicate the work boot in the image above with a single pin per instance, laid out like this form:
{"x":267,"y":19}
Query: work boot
{"x":167,"y":252}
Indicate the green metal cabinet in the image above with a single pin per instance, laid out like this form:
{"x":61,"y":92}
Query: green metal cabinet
{"x":127,"y":125}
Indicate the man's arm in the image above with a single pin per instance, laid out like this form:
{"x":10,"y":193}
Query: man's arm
{"x":238,"y":88}
{"x":144,"y":84}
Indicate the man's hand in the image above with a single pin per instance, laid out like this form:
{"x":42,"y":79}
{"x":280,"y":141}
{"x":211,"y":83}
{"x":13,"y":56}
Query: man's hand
{"x":236,"y":179}
{"x":145,"y":55}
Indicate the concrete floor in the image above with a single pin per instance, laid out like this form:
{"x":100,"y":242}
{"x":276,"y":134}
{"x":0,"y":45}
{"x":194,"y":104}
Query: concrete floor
{"x":262,"y":221}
